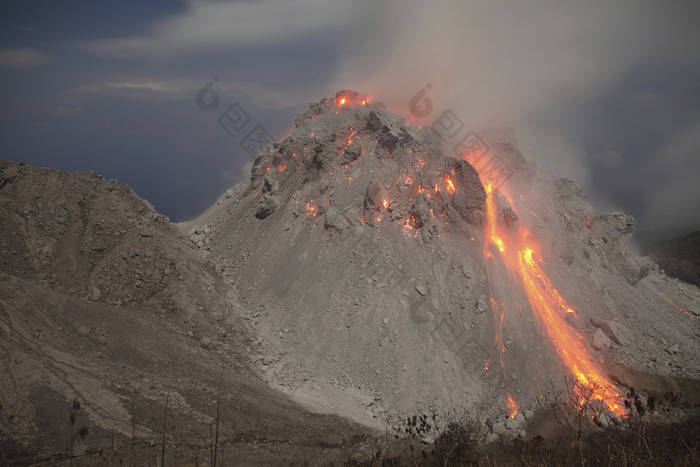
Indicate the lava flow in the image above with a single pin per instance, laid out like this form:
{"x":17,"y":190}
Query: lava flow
{"x":520,"y":256}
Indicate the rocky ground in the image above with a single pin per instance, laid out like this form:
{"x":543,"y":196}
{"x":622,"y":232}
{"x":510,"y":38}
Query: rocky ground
{"x":104,"y":303}
{"x":339,"y":288}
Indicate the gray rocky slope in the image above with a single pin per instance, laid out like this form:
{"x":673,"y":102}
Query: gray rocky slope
{"x":103,"y":302}
{"x":363,"y":274}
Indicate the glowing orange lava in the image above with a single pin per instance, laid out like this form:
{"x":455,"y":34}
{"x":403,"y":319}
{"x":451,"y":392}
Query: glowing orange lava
{"x":450,"y":185}
{"x":519,"y":254}
{"x":685,"y":311}
{"x":312,"y":209}
{"x":513,"y":408}
{"x":351,"y":98}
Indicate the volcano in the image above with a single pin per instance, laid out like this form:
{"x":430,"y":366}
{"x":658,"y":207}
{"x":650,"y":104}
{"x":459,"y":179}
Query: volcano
{"x":385,"y":273}
{"x":362,"y":272}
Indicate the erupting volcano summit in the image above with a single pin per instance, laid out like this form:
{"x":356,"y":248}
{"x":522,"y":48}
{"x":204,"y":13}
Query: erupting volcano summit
{"x":384,"y":274}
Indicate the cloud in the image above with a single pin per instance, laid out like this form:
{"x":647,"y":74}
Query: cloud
{"x":18,"y":58}
{"x":608,"y":159}
{"x":215,"y":25}
{"x":672,"y":205}
{"x":159,"y":90}
{"x":25,"y":28}
{"x":499,"y":60}
{"x":65,"y":112}
{"x":256,"y":94}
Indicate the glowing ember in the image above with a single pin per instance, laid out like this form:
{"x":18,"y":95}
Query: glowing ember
{"x":410,"y":223}
{"x":312,"y":209}
{"x":350,"y":138}
{"x":385,"y":203}
{"x":513,"y":407}
{"x":351,"y":99}
{"x":450,"y":185}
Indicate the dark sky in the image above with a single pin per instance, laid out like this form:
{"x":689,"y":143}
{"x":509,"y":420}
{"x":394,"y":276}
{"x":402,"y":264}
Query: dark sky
{"x":606,"y":94}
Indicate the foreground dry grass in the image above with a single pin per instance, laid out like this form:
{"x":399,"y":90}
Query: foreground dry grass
{"x":676,"y":444}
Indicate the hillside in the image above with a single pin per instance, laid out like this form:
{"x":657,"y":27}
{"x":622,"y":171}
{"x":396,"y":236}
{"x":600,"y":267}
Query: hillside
{"x":104,"y":303}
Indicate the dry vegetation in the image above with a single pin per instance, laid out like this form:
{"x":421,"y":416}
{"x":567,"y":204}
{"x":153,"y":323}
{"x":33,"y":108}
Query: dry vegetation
{"x":454,"y":441}
{"x":676,"y":444}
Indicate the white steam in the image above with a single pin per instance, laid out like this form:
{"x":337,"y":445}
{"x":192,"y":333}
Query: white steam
{"x":528,"y":65}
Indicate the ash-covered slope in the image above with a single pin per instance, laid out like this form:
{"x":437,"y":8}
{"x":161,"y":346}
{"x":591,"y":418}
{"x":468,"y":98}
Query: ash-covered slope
{"x":361,"y":252}
{"x":103,"y":302}
{"x":89,"y":237}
